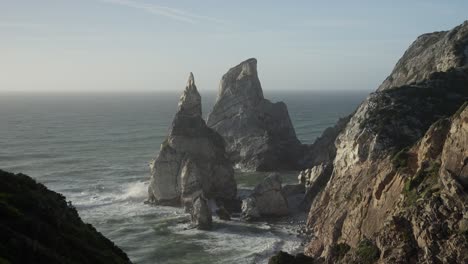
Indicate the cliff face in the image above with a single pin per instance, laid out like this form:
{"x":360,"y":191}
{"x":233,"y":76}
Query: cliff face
{"x":38,"y":226}
{"x":397,"y":186}
{"x":432,"y":52}
{"x":192,"y":160}
{"x":259,"y":134}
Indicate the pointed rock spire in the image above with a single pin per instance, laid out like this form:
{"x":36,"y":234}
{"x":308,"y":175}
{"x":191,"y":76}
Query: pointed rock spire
{"x":190,"y":101}
{"x":242,"y":82}
{"x":259,"y":134}
{"x":191,"y":80}
{"x":192,"y":161}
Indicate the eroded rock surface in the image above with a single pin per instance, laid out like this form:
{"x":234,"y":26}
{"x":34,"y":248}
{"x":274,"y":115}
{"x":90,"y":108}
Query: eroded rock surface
{"x":259,"y":133}
{"x":267,"y":199}
{"x":192,"y":160}
{"x":432,"y":52}
{"x":396,"y":193}
{"x":200,"y":213}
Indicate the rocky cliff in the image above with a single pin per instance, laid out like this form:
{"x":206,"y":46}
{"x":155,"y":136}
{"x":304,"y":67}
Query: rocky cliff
{"x":432,"y":52}
{"x":192,"y":160}
{"x":395,"y":184}
{"x":259,"y":134}
{"x":39,"y":226}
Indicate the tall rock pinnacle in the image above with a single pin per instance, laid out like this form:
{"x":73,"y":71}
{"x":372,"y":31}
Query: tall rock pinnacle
{"x":190,"y":101}
{"x":259,"y":134}
{"x":192,"y":160}
{"x":241,"y":82}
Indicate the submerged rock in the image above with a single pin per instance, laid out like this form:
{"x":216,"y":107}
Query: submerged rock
{"x":267,"y":199}
{"x":259,"y":134}
{"x":39,"y":226}
{"x":192,"y":160}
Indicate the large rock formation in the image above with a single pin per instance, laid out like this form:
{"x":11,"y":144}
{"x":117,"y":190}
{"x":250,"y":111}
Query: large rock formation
{"x":39,"y":226}
{"x":396,"y":191}
{"x":192,"y":160}
{"x":259,"y":134}
{"x":432,"y":52}
{"x":267,"y":199}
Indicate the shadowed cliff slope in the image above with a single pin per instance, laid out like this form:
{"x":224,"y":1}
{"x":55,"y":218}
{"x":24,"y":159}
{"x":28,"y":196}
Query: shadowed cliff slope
{"x":38,"y":226}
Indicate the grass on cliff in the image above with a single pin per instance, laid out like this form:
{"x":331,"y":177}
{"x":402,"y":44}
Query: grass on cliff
{"x":400,"y":159}
{"x":339,"y":250}
{"x":422,"y":184}
{"x":367,"y":252}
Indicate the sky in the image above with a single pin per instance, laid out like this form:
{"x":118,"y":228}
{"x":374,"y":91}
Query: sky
{"x":152,"y":45}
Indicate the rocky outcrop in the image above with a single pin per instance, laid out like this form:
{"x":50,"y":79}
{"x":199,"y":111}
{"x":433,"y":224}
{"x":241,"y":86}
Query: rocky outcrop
{"x":323,"y":150}
{"x":201,"y":214}
{"x":39,"y":226}
{"x":192,"y":160}
{"x":319,"y":158}
{"x":455,"y":154}
{"x":314,"y":180}
{"x":395,"y":192}
{"x":259,"y":134}
{"x":432,"y":52}
{"x":267,"y":199}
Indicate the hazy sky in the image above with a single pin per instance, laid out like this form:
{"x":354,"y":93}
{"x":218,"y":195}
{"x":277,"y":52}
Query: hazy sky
{"x":144,"y":45}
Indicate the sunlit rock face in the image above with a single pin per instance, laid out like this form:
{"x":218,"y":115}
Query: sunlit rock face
{"x":397,"y":184}
{"x":192,"y":160}
{"x":432,"y":52}
{"x":259,"y":134}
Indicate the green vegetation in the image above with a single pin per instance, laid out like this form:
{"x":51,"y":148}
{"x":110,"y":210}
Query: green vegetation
{"x":285,"y":258}
{"x":38,"y":226}
{"x":422,"y":184}
{"x":340,"y":250}
{"x":165,"y":143}
{"x":461,"y":109}
{"x":400,"y":159}
{"x":463,"y":227}
{"x":367,"y":252}
{"x":4,"y":261}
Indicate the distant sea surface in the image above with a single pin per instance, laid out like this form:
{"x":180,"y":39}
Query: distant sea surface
{"x":95,"y":149}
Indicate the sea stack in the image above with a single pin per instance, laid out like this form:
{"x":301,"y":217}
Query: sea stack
{"x":258,"y":133}
{"x":192,"y":160}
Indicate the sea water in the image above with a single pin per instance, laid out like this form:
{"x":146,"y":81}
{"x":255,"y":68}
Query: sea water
{"x":95,"y":149}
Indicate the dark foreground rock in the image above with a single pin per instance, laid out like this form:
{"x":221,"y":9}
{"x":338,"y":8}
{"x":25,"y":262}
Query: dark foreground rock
{"x":39,"y":226}
{"x":285,"y":258}
{"x":259,"y":133}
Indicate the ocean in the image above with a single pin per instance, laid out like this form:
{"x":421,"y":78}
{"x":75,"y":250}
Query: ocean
{"x":95,"y":149}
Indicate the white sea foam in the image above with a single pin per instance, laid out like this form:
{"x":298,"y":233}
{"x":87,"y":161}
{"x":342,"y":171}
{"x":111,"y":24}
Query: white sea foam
{"x":137,"y":191}
{"x":95,"y":152}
